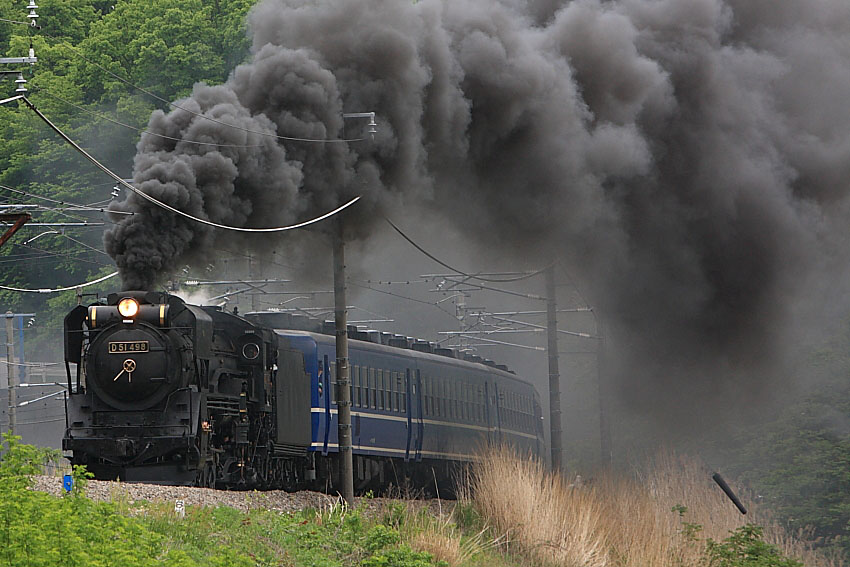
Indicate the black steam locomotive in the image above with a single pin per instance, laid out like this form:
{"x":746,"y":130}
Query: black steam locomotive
{"x":172,"y":393}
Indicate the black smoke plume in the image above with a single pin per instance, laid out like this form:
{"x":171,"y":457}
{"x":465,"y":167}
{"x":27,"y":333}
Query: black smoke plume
{"x":688,"y":159}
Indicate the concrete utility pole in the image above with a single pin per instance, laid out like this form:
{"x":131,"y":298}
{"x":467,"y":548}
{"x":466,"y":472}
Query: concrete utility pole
{"x":554,"y":374}
{"x":343,"y":391}
{"x":10,"y":354}
{"x":251,"y":277}
{"x":605,"y":444}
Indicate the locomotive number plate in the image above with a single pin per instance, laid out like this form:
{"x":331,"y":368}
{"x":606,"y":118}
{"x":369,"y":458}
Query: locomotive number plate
{"x":121,"y":347}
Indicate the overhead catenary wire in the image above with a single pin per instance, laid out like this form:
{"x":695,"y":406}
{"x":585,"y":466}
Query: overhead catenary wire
{"x":40,"y":421}
{"x":142,"y":130}
{"x":571,"y":333}
{"x":201,"y":115}
{"x":66,"y":211}
{"x":169,"y":207}
{"x":496,"y":289}
{"x":502,"y":343}
{"x":57,"y":290}
{"x":32,"y":365}
{"x":83,"y":244}
{"x":400,"y":282}
{"x":64,"y":203}
{"x":30,"y":258}
{"x":80,"y":220}
{"x":461,"y":272}
{"x":17,"y":22}
{"x":350,"y":282}
{"x":74,"y":256}
{"x":250,"y":256}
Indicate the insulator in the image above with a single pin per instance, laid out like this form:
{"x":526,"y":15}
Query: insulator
{"x":32,"y":15}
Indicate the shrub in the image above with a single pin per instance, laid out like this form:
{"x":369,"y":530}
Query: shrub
{"x":746,"y":548}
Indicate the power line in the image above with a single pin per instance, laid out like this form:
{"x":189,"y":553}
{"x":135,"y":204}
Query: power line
{"x":56,"y":290}
{"x":64,"y":203}
{"x":49,"y":256}
{"x":405,"y":282}
{"x":143,"y":131}
{"x":16,"y":22}
{"x":541,"y":327}
{"x":198,"y":114}
{"x":461,"y":272}
{"x":32,"y":365}
{"x":81,"y":243}
{"x":250,"y":256}
{"x":71,"y":255}
{"x":39,"y":421}
{"x":507,"y":291}
{"x":169,"y":207}
{"x":503,"y":343}
{"x":350,"y":282}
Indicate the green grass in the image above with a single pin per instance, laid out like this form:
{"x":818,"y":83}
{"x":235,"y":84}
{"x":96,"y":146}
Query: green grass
{"x":37,"y":529}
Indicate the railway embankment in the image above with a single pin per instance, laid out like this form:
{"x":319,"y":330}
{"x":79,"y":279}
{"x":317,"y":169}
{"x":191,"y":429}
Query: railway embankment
{"x":513,"y":512}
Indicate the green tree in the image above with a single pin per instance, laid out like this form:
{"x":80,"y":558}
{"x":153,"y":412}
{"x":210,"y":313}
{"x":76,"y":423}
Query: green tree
{"x":798,"y":463}
{"x":746,"y":548}
{"x":84,"y":49}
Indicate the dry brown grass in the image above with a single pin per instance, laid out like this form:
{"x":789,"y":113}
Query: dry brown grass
{"x":435,"y":531}
{"x":443,"y":540}
{"x":613,"y":520}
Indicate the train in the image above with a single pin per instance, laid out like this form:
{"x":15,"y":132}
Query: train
{"x":163,"y":391}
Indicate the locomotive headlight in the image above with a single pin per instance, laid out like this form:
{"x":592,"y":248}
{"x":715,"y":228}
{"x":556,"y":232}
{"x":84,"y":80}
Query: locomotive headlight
{"x":128,"y":307}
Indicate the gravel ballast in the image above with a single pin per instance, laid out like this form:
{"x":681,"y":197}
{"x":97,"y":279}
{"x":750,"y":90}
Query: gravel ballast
{"x":276,"y":500}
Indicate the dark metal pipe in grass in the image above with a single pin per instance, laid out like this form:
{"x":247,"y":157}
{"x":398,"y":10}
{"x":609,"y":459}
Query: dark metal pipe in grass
{"x":725,"y":488}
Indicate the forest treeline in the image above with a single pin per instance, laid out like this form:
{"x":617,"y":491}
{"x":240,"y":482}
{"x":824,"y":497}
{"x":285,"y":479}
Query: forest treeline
{"x":103,"y":67}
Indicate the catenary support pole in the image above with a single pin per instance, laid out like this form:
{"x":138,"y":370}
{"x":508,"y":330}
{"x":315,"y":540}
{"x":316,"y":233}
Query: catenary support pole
{"x":10,"y":372}
{"x":343,"y":391}
{"x":554,"y":375}
{"x":605,"y":443}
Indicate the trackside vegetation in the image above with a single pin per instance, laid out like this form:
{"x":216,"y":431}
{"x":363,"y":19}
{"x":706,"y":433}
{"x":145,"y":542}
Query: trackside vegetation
{"x":37,"y":529}
{"x":513,"y":513}
{"x":667,"y":513}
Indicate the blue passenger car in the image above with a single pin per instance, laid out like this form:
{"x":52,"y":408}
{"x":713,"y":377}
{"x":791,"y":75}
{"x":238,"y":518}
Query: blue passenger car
{"x":413,"y":407}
